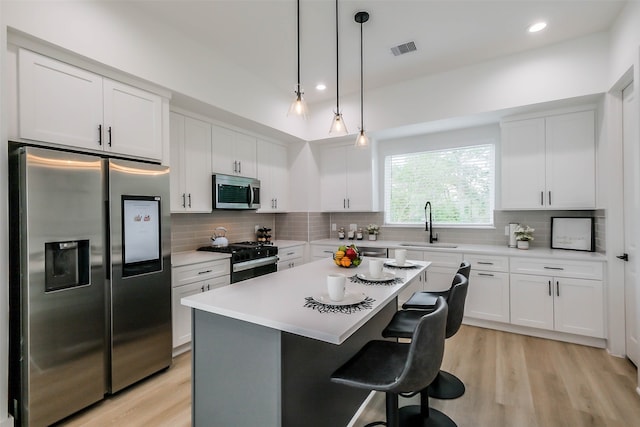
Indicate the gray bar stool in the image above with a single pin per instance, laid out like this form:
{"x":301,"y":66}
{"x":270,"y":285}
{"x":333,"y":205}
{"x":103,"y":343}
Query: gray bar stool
{"x":396,"y":368}
{"x":403,"y":323}
{"x":423,"y":300}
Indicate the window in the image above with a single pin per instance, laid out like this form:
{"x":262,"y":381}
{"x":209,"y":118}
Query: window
{"x":459,"y":183}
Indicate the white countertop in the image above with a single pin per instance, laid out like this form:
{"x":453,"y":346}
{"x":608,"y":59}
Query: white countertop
{"x":277,"y":300}
{"x":469,"y":249}
{"x":179,"y":259}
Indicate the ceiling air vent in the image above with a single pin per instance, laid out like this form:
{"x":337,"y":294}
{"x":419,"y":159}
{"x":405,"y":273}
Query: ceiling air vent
{"x":403,"y":48}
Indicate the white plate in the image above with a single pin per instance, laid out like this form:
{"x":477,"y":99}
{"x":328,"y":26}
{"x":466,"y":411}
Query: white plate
{"x":406,"y":264}
{"x":349,"y":299}
{"x":386,"y":277}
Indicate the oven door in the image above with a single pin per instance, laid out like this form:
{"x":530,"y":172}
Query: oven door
{"x":254,"y":268}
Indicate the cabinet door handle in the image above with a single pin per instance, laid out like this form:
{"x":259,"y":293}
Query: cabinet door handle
{"x":205,"y":271}
{"x":554,"y":268}
{"x":202,"y":288}
{"x":344,"y":203}
{"x":485,"y":274}
{"x":109,"y":131}
{"x":484,"y":263}
{"x":549,"y":198}
{"x":184,"y":200}
{"x":276,"y":199}
{"x":189,"y":199}
{"x":208,"y":287}
{"x":349,"y":203}
{"x":100,"y":135}
{"x":328,"y":252}
{"x":542,"y":198}
{"x":290,"y":253}
{"x":549,"y":287}
{"x":557,"y":288}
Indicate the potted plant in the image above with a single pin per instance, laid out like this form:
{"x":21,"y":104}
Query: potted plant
{"x":524,"y":234}
{"x":373,"y":231}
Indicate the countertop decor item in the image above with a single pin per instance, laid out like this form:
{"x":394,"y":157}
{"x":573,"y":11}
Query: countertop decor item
{"x":347,"y":256}
{"x":524,"y":234}
{"x":575,"y":234}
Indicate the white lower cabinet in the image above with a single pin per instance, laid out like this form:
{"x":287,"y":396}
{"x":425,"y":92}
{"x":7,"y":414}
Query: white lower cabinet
{"x":192,"y":279}
{"x":324,"y":251}
{"x":552,"y":301}
{"x":290,"y":257}
{"x":444,"y":266}
{"x":488,"y":294}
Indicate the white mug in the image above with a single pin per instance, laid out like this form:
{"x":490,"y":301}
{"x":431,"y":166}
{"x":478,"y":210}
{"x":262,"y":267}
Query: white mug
{"x":401,"y":256}
{"x":336,"y":286}
{"x":375,"y":268}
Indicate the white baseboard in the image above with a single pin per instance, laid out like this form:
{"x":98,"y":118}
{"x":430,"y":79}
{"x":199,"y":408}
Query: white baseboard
{"x":7,"y":422}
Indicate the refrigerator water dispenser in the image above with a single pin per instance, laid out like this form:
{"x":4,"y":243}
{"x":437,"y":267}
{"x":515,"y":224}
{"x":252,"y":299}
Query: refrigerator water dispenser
{"x":66,"y":264}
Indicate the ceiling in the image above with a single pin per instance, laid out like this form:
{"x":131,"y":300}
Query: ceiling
{"x":260,"y":35}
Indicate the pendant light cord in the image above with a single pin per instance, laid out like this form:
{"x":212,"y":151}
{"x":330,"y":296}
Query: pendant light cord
{"x":298,"y":31}
{"x":337,"y":66}
{"x":361,"y":82}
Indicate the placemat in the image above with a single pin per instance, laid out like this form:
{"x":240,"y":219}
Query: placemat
{"x":404,"y":267}
{"x":356,"y":279}
{"x":366,"y":304}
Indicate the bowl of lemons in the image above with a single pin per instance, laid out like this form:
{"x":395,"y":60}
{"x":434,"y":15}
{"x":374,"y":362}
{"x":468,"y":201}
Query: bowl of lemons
{"x":347,"y":256}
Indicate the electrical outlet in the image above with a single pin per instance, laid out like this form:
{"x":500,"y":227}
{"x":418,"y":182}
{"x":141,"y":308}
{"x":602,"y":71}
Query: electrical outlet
{"x":353,"y":227}
{"x":333,"y":227}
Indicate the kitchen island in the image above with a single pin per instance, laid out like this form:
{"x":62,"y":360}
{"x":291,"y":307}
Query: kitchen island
{"x":263,"y":351}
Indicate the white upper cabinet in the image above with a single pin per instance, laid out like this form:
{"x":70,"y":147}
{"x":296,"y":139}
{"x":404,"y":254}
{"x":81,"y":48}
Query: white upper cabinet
{"x":549,"y":162}
{"x":65,"y":105}
{"x":234,"y":153}
{"x":273,"y":174}
{"x":132,"y":120}
{"x":346,"y":179}
{"x":190,"y":164}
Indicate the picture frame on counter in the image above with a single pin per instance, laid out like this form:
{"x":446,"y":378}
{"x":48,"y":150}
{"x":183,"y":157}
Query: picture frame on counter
{"x":576,"y":234}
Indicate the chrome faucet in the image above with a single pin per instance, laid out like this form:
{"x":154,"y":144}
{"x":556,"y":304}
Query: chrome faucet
{"x":428,"y":223}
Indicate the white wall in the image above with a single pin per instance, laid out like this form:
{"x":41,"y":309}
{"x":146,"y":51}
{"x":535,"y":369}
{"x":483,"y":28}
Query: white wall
{"x":566,"y":70}
{"x":5,"y":421}
{"x":624,"y":65}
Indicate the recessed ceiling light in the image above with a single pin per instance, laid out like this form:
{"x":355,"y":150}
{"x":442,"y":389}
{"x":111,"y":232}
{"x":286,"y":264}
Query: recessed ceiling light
{"x":321,"y":86}
{"x":538,"y":26}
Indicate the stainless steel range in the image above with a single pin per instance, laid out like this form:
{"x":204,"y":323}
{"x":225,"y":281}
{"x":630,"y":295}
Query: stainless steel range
{"x":248,"y":259}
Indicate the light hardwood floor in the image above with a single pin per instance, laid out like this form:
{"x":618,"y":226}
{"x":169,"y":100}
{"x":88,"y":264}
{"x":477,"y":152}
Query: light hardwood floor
{"x":512,"y":380}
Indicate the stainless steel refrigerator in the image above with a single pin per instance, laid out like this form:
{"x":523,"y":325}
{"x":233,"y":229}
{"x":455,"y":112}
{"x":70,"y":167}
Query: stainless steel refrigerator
{"x":90,"y":280}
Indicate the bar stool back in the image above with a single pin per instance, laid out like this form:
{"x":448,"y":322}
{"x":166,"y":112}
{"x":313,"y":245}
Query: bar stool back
{"x":423,"y":300}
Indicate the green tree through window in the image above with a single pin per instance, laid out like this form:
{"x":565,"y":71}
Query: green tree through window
{"x":459,"y":183}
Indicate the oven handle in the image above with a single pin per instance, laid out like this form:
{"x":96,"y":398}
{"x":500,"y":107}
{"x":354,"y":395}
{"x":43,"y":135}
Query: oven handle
{"x":246,"y":265}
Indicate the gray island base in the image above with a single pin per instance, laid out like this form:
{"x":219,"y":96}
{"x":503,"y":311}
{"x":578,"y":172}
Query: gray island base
{"x":263,"y":359}
{"x":250,"y":375}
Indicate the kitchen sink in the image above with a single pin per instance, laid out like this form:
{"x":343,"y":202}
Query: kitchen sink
{"x":429,"y":245}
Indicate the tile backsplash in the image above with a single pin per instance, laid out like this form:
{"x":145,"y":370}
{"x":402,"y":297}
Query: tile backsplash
{"x":190,"y":231}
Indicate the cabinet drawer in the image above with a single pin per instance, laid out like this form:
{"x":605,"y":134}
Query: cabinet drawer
{"x":290,"y":253}
{"x":443,"y":259}
{"x":488,"y":262}
{"x":558,"y":268}
{"x":201,"y":271}
{"x":323,"y":251}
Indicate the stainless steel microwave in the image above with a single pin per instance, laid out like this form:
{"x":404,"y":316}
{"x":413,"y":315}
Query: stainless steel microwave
{"x":235,"y":192}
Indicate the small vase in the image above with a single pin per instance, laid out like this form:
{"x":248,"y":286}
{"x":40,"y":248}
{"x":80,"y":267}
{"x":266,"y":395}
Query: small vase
{"x":373,"y":237}
{"x":523,"y":244}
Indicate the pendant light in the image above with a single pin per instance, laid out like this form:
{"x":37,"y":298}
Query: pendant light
{"x":338,"y":126}
{"x":362,"y":140}
{"x":298,"y":106}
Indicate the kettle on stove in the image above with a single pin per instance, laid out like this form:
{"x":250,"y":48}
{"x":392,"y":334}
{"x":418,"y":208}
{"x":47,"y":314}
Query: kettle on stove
{"x":218,"y":239}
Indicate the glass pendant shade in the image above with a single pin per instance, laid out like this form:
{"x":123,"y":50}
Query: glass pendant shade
{"x":338,"y":127}
{"x":362,"y":140}
{"x":298,"y":106}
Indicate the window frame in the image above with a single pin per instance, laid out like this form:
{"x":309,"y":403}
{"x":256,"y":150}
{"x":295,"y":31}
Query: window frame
{"x":457,"y":138}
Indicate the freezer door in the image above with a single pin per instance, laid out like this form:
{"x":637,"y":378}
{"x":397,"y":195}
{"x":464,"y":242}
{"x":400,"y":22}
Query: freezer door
{"x":139,"y":271}
{"x":57,"y":361}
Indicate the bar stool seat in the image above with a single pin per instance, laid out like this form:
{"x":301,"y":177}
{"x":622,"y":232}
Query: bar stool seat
{"x":396,"y":368}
